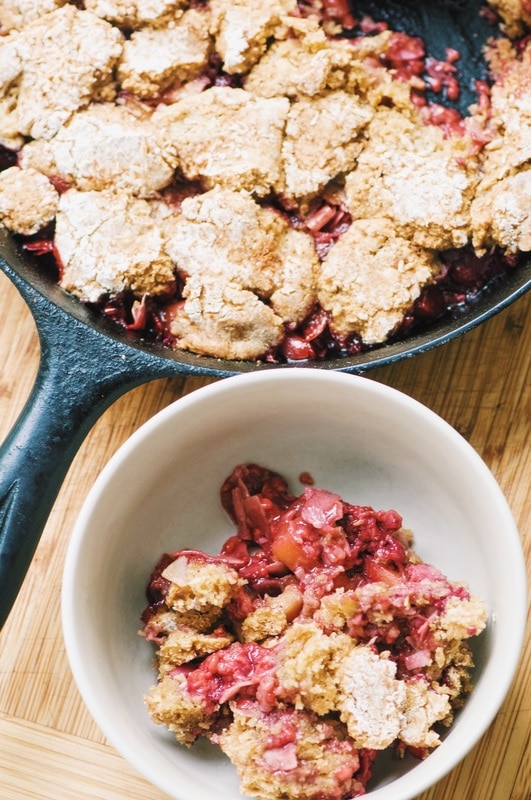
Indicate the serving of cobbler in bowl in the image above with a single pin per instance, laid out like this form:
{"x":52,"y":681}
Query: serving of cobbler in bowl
{"x":268,"y":182}
{"x":296,"y":585}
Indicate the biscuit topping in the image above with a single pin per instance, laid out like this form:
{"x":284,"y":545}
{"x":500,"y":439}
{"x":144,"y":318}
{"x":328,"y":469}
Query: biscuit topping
{"x":379,"y":207}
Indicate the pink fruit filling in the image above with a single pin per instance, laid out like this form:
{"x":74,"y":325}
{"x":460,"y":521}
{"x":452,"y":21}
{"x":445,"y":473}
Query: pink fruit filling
{"x":274,"y":647}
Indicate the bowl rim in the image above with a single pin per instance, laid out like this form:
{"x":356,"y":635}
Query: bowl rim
{"x":425,"y":774}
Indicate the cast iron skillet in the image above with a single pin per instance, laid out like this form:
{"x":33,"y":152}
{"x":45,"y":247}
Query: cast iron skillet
{"x":86,"y":364}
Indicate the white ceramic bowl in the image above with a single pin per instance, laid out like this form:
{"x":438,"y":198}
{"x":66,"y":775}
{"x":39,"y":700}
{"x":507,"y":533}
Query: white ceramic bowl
{"x":369,"y":443}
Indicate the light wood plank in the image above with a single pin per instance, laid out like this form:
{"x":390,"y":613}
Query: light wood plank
{"x":49,"y":745}
{"x":86,"y":770}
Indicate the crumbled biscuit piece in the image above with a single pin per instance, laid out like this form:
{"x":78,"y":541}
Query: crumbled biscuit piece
{"x":264,"y":622}
{"x":370,"y":277}
{"x":500,"y":214}
{"x":160,"y":624}
{"x":15,"y":14}
{"x":378,"y":708}
{"x":234,"y":256}
{"x":28,"y":201}
{"x":226,"y":234}
{"x":461,"y":618}
{"x":308,"y":65}
{"x":271,"y":616}
{"x":55,"y":66}
{"x":155,"y":58}
{"x":409,"y":173}
{"x":456,"y":683}
{"x":199,"y":591}
{"x":515,"y":15}
{"x":373,"y":48}
{"x":321,"y":141}
{"x":510,"y":112}
{"x":308,"y":665}
{"x":10,"y":71}
{"x":317,"y":760}
{"x":449,"y":672}
{"x":335,"y":610}
{"x":423,"y":708}
{"x":243,"y":28}
{"x":101,"y":147}
{"x":224,"y":321}
{"x":367,"y":76}
{"x":225,"y":137}
{"x":107,"y":242}
{"x":186,"y":644}
{"x":500,"y":210}
{"x":371,"y":699}
{"x":294,"y":278}
{"x":137,"y":13}
{"x":169,"y":703}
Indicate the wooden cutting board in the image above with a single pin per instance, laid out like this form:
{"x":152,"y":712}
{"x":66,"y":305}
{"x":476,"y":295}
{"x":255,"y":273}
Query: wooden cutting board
{"x":50,"y":749}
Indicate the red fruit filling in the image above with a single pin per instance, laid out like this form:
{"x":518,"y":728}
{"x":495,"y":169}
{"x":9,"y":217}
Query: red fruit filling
{"x":321,"y":543}
{"x":342,"y":572}
{"x":460,"y":286}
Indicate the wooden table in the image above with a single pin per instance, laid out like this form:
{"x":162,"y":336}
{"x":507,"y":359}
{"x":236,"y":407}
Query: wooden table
{"x":50,"y":749}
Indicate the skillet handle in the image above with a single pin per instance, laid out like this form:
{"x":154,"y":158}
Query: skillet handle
{"x":81,"y":373}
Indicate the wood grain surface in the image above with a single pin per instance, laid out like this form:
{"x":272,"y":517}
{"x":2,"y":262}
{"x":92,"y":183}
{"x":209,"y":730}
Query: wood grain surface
{"x":50,"y":748}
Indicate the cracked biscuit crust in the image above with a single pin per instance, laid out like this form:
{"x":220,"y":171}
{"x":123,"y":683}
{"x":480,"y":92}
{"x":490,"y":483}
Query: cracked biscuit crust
{"x":409,"y":173}
{"x":501,"y":214}
{"x":103,"y":146}
{"x":307,"y":64}
{"x":225,"y":137}
{"x":141,"y":96}
{"x":242,"y":29}
{"x":336,"y":121}
{"x":137,"y":13}
{"x":349,"y":289}
{"x":15,"y":14}
{"x":107,"y":242}
{"x":500,"y":210}
{"x":40,"y":87}
{"x":28,"y":201}
{"x":155,"y":58}
{"x":246,"y":272}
